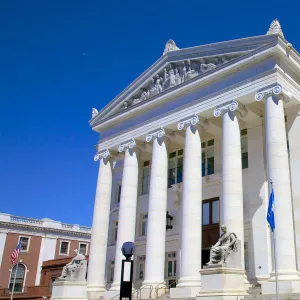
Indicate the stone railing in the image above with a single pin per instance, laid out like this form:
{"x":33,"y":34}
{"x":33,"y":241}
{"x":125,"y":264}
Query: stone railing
{"x":46,"y":223}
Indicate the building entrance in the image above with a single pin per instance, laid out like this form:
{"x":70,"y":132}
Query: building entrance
{"x":210,"y":226}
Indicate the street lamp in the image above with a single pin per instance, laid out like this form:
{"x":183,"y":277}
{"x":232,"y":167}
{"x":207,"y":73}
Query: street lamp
{"x":169,"y":221}
{"x":127,"y":271}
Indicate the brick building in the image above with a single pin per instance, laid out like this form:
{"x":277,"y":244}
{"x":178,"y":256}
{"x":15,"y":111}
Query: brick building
{"x":46,"y":246}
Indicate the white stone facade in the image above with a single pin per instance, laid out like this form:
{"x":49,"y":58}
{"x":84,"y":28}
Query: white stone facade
{"x":217,"y":137}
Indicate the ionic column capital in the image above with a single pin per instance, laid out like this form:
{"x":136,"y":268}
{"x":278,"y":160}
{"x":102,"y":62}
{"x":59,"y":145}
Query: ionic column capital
{"x":231,"y":106}
{"x":158,"y":133}
{"x":276,"y":90}
{"x":105,"y":154}
{"x":192,"y":121}
{"x":130,"y":144}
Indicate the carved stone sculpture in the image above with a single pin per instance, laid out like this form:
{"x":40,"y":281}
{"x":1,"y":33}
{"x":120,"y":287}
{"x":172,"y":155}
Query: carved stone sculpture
{"x":222,"y":249}
{"x":125,"y":105}
{"x":74,"y":265}
{"x":152,"y":88}
{"x":177,"y":77}
{"x":207,"y":67}
{"x":158,"y":84}
{"x":176,"y":73}
{"x":172,"y":78}
{"x":94,"y":112}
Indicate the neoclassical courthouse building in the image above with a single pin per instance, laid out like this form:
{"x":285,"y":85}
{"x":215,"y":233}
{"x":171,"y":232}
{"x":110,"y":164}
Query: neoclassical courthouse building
{"x":192,"y":144}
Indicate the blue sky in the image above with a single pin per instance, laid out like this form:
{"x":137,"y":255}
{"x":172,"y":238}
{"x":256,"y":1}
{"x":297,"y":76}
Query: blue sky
{"x":61,"y":58}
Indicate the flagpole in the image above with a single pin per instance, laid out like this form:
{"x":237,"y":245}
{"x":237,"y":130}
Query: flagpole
{"x":14,"y":283}
{"x":274,"y":252}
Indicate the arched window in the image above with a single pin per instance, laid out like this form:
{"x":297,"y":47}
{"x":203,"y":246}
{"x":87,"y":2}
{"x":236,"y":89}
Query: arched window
{"x":18,"y":270}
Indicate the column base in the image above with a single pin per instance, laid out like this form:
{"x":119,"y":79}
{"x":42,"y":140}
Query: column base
{"x":221,"y":282}
{"x":152,"y":289}
{"x":110,"y":294}
{"x":95,"y":292}
{"x":285,"y":287}
{"x":184,"y":292}
{"x":69,"y":290}
{"x":187,"y":287}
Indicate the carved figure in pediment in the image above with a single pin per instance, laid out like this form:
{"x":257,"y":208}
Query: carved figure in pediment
{"x":224,"y":59}
{"x":183,"y":73}
{"x":158,"y":84}
{"x":166,"y":79}
{"x":124,"y":106}
{"x":191,"y":73}
{"x":206,"y":67}
{"x":152,"y":88}
{"x":172,"y":78}
{"x":144,"y":95}
{"x":177,"y":77}
{"x":136,"y":101}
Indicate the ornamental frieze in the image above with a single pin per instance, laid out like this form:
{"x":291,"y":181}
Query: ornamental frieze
{"x":175,"y":74}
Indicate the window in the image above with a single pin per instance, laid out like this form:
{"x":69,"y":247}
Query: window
{"x":208,"y":159}
{"x":18,"y":270}
{"x":146,"y":178}
{"x":143,"y":227}
{"x":64,"y":248}
{"x":175,"y":167}
{"x":246,"y":256}
{"x":210,"y":212}
{"x":119,"y":188}
{"x":115,"y":232}
{"x":24,"y":243}
{"x":83,"y":248}
{"x":112,"y":270}
{"x":244,"y":148}
{"x":171,"y":267}
{"x":141,"y":267}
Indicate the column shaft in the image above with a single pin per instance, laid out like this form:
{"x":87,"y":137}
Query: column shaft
{"x":156,"y":230}
{"x":127,"y":210}
{"x":98,"y":247}
{"x":191,"y":210}
{"x":278,"y":170}
{"x":232,"y":214}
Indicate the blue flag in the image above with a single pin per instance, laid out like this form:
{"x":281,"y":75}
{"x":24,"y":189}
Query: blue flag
{"x":271,"y":216}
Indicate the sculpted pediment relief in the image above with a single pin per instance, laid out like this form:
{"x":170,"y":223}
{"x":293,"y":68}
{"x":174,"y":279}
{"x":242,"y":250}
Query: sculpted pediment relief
{"x":178,"y":66}
{"x":175,"y":74}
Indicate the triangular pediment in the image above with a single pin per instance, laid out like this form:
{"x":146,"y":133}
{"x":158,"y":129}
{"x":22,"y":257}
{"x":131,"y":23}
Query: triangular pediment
{"x":177,"y":67}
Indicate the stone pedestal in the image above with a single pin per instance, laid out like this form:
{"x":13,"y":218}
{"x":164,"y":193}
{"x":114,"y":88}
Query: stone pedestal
{"x":69,"y":290}
{"x":224,"y":280}
{"x":73,"y":287}
{"x":220,"y":282}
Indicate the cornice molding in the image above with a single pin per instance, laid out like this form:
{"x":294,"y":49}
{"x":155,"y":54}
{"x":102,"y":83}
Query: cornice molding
{"x":276,"y":90}
{"x":208,"y":102}
{"x":42,"y":230}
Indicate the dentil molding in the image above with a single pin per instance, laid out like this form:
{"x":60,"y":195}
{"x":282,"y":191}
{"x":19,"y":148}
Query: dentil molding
{"x":276,"y":90}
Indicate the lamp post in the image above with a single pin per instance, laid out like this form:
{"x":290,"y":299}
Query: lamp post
{"x":127,"y":271}
{"x":169,"y":221}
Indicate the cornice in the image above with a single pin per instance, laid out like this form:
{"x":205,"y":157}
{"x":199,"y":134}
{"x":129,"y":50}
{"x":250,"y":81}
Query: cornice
{"x":43,"y":230}
{"x":199,"y":105}
{"x":196,"y":82}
